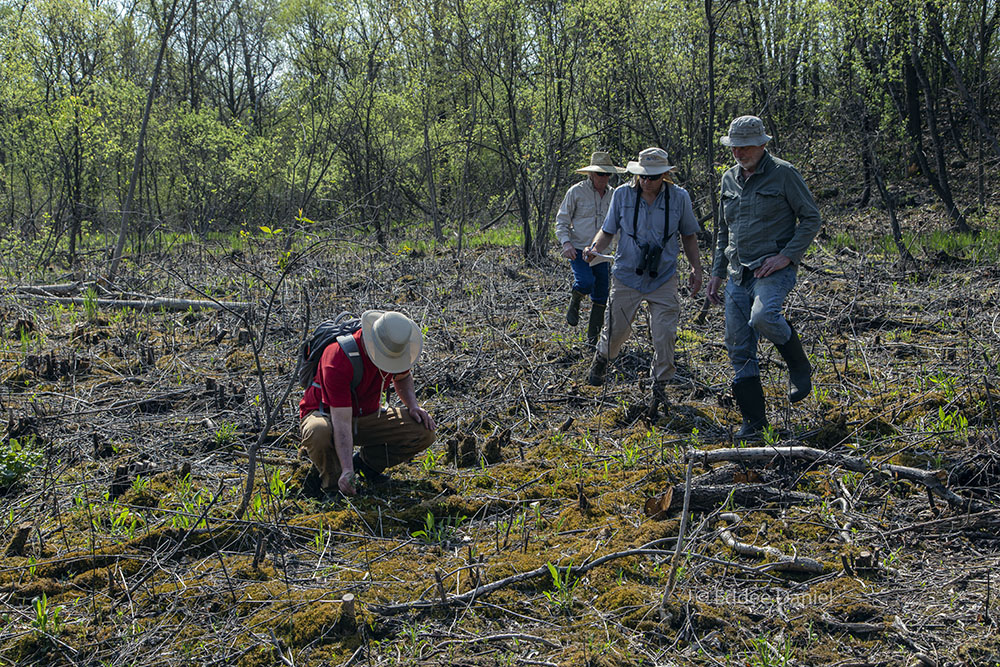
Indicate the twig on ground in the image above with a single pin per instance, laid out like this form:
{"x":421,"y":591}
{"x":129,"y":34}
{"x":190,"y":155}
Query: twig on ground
{"x":676,"y":560}
{"x":782,"y":563}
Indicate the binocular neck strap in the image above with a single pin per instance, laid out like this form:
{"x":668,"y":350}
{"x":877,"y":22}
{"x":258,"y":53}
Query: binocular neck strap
{"x":666,"y":214}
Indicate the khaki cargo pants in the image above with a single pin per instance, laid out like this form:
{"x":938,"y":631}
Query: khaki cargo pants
{"x":386,"y":438}
{"x":664,"y":313}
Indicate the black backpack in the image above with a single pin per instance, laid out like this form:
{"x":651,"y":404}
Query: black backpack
{"x":339,"y":329}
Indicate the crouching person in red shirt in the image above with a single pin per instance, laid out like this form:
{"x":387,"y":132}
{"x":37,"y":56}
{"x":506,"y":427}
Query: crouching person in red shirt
{"x":334,"y":418}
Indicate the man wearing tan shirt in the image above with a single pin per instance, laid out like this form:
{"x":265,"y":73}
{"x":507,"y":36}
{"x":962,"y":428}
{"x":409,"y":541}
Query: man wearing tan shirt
{"x":580,"y":215}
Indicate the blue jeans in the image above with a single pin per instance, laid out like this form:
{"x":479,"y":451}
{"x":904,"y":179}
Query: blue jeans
{"x":753,"y":309}
{"x":592,"y":280}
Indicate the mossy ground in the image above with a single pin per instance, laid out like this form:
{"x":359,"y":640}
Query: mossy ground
{"x":161,"y":572}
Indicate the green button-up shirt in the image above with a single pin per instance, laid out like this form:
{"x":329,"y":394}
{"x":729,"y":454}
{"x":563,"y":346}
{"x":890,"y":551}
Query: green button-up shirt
{"x":758,"y":215}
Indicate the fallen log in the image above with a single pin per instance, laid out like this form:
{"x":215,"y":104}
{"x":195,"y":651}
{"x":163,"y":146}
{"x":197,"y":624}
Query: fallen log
{"x":745,"y":488}
{"x":709,"y":497}
{"x":933,"y":480}
{"x":61,"y":289}
{"x":857,"y":629}
{"x":143,"y":304}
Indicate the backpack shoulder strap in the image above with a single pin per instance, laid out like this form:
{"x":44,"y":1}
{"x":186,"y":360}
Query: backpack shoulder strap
{"x":350,"y":347}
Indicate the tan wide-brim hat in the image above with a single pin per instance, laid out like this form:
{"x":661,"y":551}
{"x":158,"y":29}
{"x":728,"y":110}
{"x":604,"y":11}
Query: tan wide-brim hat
{"x":746,"y":131}
{"x":652,"y":161}
{"x":600,"y":163}
{"x":392,"y":340}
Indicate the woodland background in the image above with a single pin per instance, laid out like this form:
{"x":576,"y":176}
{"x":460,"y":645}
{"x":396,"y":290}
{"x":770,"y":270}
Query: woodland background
{"x":400,"y":118}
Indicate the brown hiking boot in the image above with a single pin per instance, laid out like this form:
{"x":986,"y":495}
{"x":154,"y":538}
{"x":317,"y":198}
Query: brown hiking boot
{"x":658,"y":398}
{"x":598,"y":370}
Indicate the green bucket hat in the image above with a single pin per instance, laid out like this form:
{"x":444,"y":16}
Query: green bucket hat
{"x":746,"y":131}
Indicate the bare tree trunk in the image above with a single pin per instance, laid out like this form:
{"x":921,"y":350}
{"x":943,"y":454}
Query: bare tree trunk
{"x":987,"y":26}
{"x":168,"y":27}
{"x":871,"y":158}
{"x":939,"y":181}
{"x":431,"y":185}
{"x":712,"y":21}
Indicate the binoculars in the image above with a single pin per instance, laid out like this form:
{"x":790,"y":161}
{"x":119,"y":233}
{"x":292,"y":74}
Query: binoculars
{"x":649,"y":260}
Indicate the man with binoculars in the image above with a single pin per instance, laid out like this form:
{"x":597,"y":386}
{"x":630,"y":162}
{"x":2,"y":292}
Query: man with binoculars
{"x":649,"y":216}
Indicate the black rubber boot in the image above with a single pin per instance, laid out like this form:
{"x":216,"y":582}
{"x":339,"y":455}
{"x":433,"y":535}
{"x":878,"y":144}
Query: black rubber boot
{"x":596,"y":322}
{"x":799,"y":370}
{"x":658,"y":398}
{"x":573,"y":312}
{"x":749,"y":395}
{"x":598,"y":371}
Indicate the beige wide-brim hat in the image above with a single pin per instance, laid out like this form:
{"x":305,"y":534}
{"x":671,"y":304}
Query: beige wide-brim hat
{"x":652,"y":161}
{"x":746,"y":131}
{"x":600,"y":163}
{"x":392,"y":340}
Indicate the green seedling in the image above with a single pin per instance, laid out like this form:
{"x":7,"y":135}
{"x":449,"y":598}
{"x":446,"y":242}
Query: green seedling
{"x":765,"y":654}
{"x":563,"y":585}
{"x":320,"y":538}
{"x":631,"y":454}
{"x":277,"y":487}
{"x":46,"y":621}
{"x":438,"y":532}
{"x":225,"y":433}
{"x":90,"y":304}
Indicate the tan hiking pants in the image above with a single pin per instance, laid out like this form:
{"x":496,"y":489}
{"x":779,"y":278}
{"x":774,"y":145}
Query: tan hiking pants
{"x":664,"y":312}
{"x":386,"y":438}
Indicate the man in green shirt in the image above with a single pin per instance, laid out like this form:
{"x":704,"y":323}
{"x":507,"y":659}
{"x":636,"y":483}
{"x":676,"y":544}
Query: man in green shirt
{"x":767,"y":220}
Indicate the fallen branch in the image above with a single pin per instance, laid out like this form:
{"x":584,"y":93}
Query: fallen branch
{"x":781,"y":563}
{"x":62,"y":289}
{"x":470,"y":596}
{"x":143,"y":304}
{"x":708,"y":497}
{"x":502,"y":638}
{"x":974,"y":520}
{"x":929,"y":478}
{"x":676,"y":560}
{"x":180,"y":540}
{"x":857,"y":629}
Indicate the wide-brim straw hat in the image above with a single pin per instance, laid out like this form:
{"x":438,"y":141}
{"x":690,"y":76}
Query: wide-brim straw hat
{"x":600,"y":163}
{"x":392,"y":340}
{"x":652,"y":161}
{"x":746,"y":131}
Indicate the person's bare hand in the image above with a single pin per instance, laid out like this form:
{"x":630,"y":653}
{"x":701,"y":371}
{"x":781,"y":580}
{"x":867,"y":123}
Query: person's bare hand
{"x":772,"y":264}
{"x":694,"y":282}
{"x":713,"y":290}
{"x":421,"y":416}
{"x":346,"y":483}
{"x":568,"y":251}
